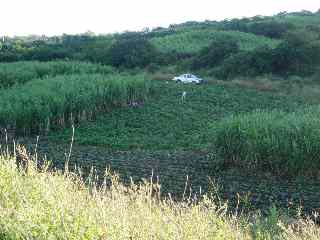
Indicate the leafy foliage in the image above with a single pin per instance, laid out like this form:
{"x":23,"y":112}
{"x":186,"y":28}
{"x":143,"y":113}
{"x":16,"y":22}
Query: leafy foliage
{"x":132,"y":52}
{"x":214,"y":54}
{"x":298,"y":54}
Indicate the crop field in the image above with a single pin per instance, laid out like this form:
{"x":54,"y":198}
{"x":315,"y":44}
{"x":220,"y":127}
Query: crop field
{"x":19,"y":73}
{"x":286,"y":143}
{"x":158,"y":126}
{"x":166,"y":122}
{"x":44,"y":104}
{"x":194,"y":41}
{"x":97,"y":141}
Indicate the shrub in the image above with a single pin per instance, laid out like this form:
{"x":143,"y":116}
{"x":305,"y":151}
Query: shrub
{"x":246,"y":63}
{"x":131,"y":53}
{"x":216,"y":52}
{"x":298,"y":55}
{"x":272,"y":29}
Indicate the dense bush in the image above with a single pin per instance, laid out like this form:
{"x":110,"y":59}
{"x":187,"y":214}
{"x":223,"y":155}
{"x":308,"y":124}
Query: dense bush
{"x":272,"y":29}
{"x":298,"y":54}
{"x":246,"y":63}
{"x":259,"y":26}
{"x":132,"y":52}
{"x":48,"y":53}
{"x":215,"y":53}
{"x":285,"y":143}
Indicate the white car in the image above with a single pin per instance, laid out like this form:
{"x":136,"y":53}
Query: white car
{"x":187,"y":78}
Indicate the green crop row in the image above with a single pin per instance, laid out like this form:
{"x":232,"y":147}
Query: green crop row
{"x":194,"y":41}
{"x":287,"y":143}
{"x":41,"y":105}
{"x":22,"y":72}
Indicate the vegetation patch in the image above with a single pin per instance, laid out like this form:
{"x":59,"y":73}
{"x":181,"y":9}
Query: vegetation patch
{"x":285,"y":143}
{"x":19,"y":73}
{"x":37,"y":204}
{"x":45,"y":104}
{"x":167,"y":122}
{"x":194,"y":41}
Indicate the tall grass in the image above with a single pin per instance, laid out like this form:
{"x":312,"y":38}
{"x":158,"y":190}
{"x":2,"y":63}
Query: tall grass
{"x":22,"y":72}
{"x":38,"y":204}
{"x":194,"y":41}
{"x":41,"y":105}
{"x":286,"y":143}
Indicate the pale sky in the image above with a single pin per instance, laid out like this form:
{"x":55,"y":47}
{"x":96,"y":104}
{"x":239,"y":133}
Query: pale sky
{"x":55,"y":17}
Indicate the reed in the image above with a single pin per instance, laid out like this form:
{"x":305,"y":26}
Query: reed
{"x":67,"y":99}
{"x":286,"y":143}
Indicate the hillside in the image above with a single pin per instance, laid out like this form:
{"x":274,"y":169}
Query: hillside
{"x":193,"y":41}
{"x":257,"y":46}
{"x":237,"y":155}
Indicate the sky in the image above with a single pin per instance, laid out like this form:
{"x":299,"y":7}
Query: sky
{"x":55,"y":17}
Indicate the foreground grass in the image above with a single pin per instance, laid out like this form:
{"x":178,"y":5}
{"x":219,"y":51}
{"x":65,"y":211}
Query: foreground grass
{"x":37,"y":204}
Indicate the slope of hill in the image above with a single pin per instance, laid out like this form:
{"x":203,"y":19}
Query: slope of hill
{"x":265,"y":45}
{"x":194,"y":41}
{"x":120,"y":110}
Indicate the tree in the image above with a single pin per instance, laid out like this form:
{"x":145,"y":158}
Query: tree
{"x":132,"y":52}
{"x":215,"y":53}
{"x":272,"y":29}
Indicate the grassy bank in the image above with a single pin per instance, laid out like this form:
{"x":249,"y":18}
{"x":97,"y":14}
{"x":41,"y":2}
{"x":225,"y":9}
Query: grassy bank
{"x":285,"y":143}
{"x":37,"y":204}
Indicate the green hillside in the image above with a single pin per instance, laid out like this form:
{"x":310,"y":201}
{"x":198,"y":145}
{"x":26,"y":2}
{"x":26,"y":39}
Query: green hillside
{"x":194,"y":41}
{"x":238,"y":156}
